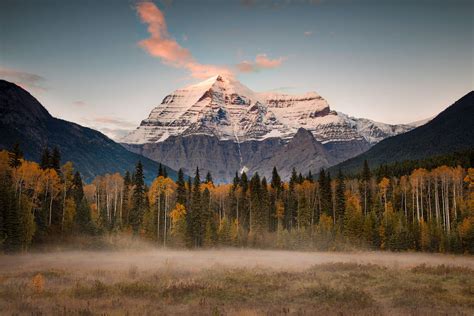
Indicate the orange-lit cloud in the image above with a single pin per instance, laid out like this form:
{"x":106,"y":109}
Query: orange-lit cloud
{"x":161,"y":45}
{"x":26,"y":80}
{"x":261,"y":62}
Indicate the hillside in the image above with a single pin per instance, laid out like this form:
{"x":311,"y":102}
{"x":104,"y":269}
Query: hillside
{"x":25,"y":121}
{"x":448,"y":132}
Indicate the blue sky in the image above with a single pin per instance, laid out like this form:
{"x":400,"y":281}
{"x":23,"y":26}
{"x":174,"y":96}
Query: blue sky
{"x":391,"y":61}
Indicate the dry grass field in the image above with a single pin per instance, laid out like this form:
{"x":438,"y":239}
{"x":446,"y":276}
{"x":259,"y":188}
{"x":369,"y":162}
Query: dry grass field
{"x":235,"y":282}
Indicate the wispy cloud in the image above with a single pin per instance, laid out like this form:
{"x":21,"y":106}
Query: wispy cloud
{"x":26,"y":80}
{"x":79,"y":103}
{"x":110,"y":120}
{"x":276,"y":4}
{"x":261,"y":62}
{"x":161,"y":45}
{"x":114,"y":133}
{"x":308,"y":33}
{"x":111,"y":126}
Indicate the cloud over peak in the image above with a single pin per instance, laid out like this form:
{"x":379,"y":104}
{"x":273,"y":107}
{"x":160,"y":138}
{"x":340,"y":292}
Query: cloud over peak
{"x":26,"y":80}
{"x":261,"y":62}
{"x":161,"y":45}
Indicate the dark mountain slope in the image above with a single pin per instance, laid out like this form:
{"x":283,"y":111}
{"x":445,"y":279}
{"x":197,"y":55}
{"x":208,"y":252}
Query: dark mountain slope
{"x":452,"y":130}
{"x":25,"y":121}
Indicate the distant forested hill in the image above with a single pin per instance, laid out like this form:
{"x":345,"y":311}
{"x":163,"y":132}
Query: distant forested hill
{"x":25,"y":121}
{"x":452,"y":130}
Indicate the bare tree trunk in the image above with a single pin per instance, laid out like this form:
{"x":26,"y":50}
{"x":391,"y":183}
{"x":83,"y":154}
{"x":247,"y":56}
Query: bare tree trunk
{"x":50,"y":209}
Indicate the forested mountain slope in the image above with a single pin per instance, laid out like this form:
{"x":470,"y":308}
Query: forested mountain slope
{"x":452,"y":130}
{"x":25,"y":121}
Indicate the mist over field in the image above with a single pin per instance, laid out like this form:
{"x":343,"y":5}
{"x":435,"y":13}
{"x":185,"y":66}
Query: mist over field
{"x":235,"y":282}
{"x":238,"y":157}
{"x":197,"y":260}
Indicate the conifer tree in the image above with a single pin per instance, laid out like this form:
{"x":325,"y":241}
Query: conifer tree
{"x":291,"y":207}
{"x":365,"y":189}
{"x":276,"y":182}
{"x":235,"y":182}
{"x":55,"y":160}
{"x":196,"y":216}
{"x":160,"y":170}
{"x":258,"y":215}
{"x":309,"y":177}
{"x":340,"y":198}
{"x":15,"y":156}
{"x":209,"y":178}
{"x":10,"y":214}
{"x":45,"y":157}
{"x":325,"y":191}
{"x":138,"y":199}
{"x":181,"y":189}
{"x":300,"y":178}
{"x":83,"y":213}
{"x":127,"y":183}
{"x":244,"y":203}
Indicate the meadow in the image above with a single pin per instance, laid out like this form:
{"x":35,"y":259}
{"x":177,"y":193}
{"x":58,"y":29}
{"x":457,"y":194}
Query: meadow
{"x":235,"y":282}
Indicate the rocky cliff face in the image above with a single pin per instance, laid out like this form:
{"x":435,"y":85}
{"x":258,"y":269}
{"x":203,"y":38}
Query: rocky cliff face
{"x":224,"y":157}
{"x":222,"y":126}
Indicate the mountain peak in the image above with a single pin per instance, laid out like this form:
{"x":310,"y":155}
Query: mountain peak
{"x":221,"y":106}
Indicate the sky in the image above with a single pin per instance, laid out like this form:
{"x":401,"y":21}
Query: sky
{"x":106,"y":64}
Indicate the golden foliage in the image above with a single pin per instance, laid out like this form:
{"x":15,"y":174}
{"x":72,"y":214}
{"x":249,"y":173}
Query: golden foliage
{"x":37,"y":283}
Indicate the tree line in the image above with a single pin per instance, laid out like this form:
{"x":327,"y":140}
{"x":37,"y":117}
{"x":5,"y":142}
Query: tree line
{"x":424,"y":210}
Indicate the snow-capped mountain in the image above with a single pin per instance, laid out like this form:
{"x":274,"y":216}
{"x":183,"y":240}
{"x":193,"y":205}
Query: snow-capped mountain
{"x":219,"y":125}
{"x":225,"y":108}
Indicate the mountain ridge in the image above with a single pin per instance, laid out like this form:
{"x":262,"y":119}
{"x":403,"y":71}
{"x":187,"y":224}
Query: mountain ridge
{"x":449,"y":131}
{"x":225,"y":108}
{"x":25,"y":121}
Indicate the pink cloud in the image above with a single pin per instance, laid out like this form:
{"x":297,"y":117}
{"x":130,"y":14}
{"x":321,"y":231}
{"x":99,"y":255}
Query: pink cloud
{"x":161,"y":45}
{"x":261,"y":62}
{"x":26,"y":80}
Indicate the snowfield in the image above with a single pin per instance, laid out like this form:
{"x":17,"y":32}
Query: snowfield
{"x":225,"y":108}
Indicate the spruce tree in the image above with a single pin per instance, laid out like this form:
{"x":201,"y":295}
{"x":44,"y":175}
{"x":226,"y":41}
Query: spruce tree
{"x":340,"y":198}
{"x":276,"y":181}
{"x":235,"y":182}
{"x":15,"y":156}
{"x":209,"y":178}
{"x":189,"y":194}
{"x":196,"y":216}
{"x":9,"y":215}
{"x":83,"y":212}
{"x":160,"y":170}
{"x":300,"y":178}
{"x":309,"y":177}
{"x":45,"y":157}
{"x":365,"y":189}
{"x":294,"y":176}
{"x":55,"y":160}
{"x":138,"y":199}
{"x":255,"y":191}
{"x":244,"y":208}
{"x":325,"y":192}
{"x":181,"y":188}
{"x":265,"y":205}
{"x":127,"y":182}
